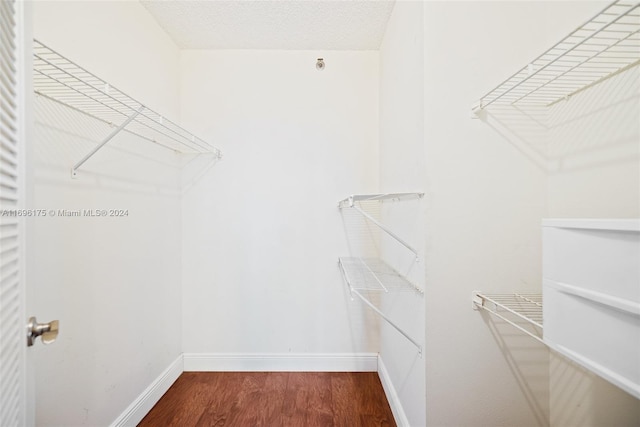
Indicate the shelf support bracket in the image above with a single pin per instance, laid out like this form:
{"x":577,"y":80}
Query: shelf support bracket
{"x":346,"y":278}
{"x":376,"y":309}
{"x":386,"y":230}
{"x":389,"y":321}
{"x":74,"y":169}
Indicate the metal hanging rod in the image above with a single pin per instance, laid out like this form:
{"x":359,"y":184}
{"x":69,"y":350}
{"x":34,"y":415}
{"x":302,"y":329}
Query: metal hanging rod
{"x":522,"y":311}
{"x":369,"y":274}
{"x":351,"y":202}
{"x":602,"y":47}
{"x":61,"y":80}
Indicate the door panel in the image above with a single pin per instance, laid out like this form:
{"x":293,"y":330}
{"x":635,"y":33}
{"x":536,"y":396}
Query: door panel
{"x":14,"y":398}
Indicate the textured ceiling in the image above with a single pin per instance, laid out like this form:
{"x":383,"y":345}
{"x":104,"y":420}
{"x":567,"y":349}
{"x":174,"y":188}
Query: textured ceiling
{"x":266,"y":24}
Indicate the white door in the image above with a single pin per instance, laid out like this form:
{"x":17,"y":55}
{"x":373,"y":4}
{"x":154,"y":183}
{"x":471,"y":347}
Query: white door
{"x":17,"y":389}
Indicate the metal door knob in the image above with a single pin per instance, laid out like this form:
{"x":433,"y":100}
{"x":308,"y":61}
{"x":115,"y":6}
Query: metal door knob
{"x":47,"y":331}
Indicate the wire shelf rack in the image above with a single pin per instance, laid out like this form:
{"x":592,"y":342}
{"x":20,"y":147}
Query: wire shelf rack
{"x":373,"y":274}
{"x":351,"y":200}
{"x":354,"y":200}
{"x":365,"y":274}
{"x":607,"y":44}
{"x":523,"y":311}
{"x":61,"y":80}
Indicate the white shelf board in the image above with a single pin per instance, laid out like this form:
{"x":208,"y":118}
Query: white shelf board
{"x":603,"y":46}
{"x":591,"y":286}
{"x":614,"y":224}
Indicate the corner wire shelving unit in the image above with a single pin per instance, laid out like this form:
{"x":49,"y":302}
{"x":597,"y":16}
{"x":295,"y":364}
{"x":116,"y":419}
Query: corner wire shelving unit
{"x":605,"y":45}
{"x":373,"y":274}
{"x":64,"y":82}
{"x":521,"y":310}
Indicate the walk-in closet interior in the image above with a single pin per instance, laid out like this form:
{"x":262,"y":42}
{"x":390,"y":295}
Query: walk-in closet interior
{"x":446,"y":193}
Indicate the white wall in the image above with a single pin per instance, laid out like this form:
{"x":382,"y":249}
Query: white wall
{"x":114,"y":283}
{"x":402,"y":169}
{"x":594,"y":151}
{"x":489,"y":183}
{"x":485,"y":200}
{"x":261,"y":230}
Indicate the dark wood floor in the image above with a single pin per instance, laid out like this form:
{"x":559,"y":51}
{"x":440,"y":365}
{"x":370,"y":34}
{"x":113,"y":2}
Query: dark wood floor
{"x":273,"y":399}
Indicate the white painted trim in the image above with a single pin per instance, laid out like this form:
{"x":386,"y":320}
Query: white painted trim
{"x":622,"y":381}
{"x":610,"y":301}
{"x":274,"y":362}
{"x":392,"y":395}
{"x":150,"y":396}
{"x":611,"y":224}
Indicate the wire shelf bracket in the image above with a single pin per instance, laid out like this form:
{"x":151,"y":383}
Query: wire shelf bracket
{"x":74,"y":169}
{"x":362,"y":274}
{"x":522,"y":311}
{"x":351,"y":202}
{"x":61,"y":80}
{"x":605,"y":45}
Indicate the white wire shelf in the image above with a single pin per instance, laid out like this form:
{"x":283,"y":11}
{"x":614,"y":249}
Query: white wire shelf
{"x":354,"y":200}
{"x":605,"y":45}
{"x":372,"y":274}
{"x":349,"y":201}
{"x":61,"y":80}
{"x":523,"y":311}
{"x":363,"y":274}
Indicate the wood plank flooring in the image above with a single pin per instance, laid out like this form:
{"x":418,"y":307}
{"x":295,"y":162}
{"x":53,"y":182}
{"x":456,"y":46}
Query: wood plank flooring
{"x":273,"y":399}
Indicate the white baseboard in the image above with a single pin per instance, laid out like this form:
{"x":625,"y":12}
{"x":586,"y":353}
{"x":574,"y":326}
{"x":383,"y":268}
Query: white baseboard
{"x":272,"y":362}
{"x":150,"y":396}
{"x":392,"y":395}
